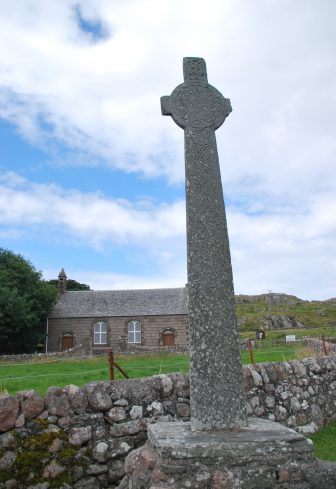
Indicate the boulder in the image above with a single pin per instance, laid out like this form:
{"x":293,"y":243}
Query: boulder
{"x":9,"y":409}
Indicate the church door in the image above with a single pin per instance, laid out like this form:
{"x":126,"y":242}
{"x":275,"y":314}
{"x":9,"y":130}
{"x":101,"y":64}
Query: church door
{"x":67,"y":342}
{"x":168,"y":338}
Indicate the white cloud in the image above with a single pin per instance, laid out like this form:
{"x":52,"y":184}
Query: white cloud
{"x":90,"y":217}
{"x":274,"y":59}
{"x":283,"y":252}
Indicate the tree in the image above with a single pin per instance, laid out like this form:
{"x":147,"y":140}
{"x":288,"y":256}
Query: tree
{"x":71,"y":284}
{"x":25,"y":302}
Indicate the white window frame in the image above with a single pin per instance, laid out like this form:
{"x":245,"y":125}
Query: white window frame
{"x":134,"y":331}
{"x":100,"y":333}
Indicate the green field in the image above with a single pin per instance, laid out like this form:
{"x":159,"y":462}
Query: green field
{"x":40,"y":376}
{"x":325,"y":443}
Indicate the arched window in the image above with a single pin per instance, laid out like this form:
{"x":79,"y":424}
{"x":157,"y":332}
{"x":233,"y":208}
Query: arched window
{"x":134,"y":332}
{"x":100,"y":333}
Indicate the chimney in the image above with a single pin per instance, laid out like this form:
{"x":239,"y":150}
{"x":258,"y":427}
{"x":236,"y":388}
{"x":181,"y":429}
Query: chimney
{"x":62,"y":281}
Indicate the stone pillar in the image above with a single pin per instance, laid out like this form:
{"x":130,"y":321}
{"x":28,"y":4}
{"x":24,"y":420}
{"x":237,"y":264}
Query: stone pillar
{"x":216,"y":388}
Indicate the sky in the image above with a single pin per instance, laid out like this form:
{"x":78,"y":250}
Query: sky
{"x":92,"y":175}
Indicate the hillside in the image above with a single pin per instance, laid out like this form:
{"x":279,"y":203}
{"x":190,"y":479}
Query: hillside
{"x":280,"y":311}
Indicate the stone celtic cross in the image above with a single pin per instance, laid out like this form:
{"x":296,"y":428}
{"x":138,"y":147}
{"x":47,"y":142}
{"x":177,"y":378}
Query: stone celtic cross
{"x":217,"y":395}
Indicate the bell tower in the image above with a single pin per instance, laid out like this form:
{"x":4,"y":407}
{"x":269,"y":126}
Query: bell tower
{"x":62,"y":281}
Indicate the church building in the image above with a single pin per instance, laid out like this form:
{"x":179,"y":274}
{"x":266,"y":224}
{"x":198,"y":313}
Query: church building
{"x":117,"y":319}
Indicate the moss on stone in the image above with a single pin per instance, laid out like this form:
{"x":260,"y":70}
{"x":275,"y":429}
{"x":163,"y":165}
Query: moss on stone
{"x":33,"y":455}
{"x":5,"y":475}
{"x":67,"y":453}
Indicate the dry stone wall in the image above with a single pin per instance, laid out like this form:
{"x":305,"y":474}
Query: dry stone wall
{"x":80,"y":437}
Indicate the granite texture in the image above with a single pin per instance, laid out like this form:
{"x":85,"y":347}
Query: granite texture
{"x":264,"y":455}
{"x":217,"y":395}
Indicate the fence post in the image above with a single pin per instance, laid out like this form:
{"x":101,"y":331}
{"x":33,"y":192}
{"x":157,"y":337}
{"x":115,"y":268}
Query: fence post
{"x":111,"y":361}
{"x":324,"y":346}
{"x":251,"y":351}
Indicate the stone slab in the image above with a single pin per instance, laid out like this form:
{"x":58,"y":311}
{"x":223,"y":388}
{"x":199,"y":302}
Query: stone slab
{"x":259,"y":438}
{"x":264,"y":455}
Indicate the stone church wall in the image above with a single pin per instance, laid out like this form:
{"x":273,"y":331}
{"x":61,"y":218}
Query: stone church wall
{"x":151,"y":334}
{"x":80,"y":437}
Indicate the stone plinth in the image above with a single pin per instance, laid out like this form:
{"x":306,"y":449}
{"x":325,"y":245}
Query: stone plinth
{"x":264,"y":455}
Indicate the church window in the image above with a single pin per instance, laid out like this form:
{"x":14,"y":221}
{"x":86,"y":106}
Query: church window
{"x":134,"y":332}
{"x":100,"y":333}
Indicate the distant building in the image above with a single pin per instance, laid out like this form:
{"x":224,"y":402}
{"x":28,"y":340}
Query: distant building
{"x":117,"y":318}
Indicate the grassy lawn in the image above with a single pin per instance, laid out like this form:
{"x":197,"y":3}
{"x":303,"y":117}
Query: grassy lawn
{"x":325,"y":443}
{"x":40,"y":376}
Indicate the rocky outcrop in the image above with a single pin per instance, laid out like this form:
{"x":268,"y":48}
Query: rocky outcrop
{"x":281,"y":322}
{"x":271,"y":299}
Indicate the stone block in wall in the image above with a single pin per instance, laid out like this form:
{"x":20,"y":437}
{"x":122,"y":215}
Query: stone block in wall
{"x":31,"y":404}
{"x":98,"y":395}
{"x":9,"y":409}
{"x":57,"y":403}
{"x":142,"y":391}
{"x":77,"y":398}
{"x":128,"y":428}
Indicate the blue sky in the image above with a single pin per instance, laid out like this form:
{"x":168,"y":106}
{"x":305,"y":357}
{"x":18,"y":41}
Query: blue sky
{"x":92,"y":176}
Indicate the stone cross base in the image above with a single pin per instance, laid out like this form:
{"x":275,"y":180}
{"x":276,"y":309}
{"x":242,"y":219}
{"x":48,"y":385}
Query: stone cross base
{"x":265,"y":455}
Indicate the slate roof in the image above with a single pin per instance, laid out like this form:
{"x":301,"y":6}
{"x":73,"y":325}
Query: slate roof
{"x":104,"y":303}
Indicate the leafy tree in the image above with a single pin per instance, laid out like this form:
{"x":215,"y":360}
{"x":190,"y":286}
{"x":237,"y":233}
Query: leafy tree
{"x":25,"y":302}
{"x":71,"y":284}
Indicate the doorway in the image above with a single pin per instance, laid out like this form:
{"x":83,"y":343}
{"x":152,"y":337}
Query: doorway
{"x":67,"y":342}
{"x":168,"y":338}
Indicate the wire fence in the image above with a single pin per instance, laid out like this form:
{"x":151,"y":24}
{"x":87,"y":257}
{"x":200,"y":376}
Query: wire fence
{"x":83,"y":368}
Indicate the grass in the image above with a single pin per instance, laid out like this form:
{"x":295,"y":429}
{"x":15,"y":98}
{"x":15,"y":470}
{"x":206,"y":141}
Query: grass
{"x":325,"y":443}
{"x":40,"y":376}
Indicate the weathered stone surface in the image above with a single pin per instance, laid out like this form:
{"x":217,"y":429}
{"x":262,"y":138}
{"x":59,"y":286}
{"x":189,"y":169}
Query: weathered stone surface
{"x":87,"y":483}
{"x":136,"y":412}
{"x":8,"y":440}
{"x":216,"y":391}
{"x":7,"y":460}
{"x":97,"y":469}
{"x":281,"y":322}
{"x":77,"y":398}
{"x":98,"y":396}
{"x":9,"y":408}
{"x":128,"y":428}
{"x":116,"y":471}
{"x":31,"y":404}
{"x":79,"y":436}
{"x":117,"y":414}
{"x":141,"y":391}
{"x":100,"y":452}
{"x":52,"y":470}
{"x":254,"y":457}
{"x":20,"y":421}
{"x":57,"y":403}
{"x":183,"y":410}
{"x":120,"y":446}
